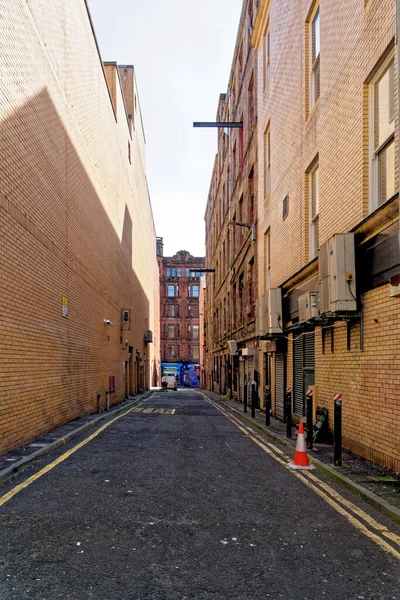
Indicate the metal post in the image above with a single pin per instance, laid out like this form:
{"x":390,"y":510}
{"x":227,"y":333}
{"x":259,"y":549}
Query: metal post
{"x":309,"y":415}
{"x":245,"y":394}
{"x":337,"y":433}
{"x":253,"y":400}
{"x":288,"y":412}
{"x":267,"y":405}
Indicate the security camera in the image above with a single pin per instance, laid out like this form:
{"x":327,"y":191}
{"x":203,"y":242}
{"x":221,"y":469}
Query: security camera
{"x":108,"y":322}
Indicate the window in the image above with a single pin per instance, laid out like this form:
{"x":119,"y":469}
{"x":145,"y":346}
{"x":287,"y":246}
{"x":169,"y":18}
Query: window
{"x":195,"y":352}
{"x":195,"y":332}
{"x":234,"y":165}
{"x":252,"y":289}
{"x":267,"y":260}
{"x":251,"y":104}
{"x":285,"y":207}
{"x":171,"y":310}
{"x":187,"y":272}
{"x":267,"y":161}
{"x":241,"y":298}
{"x":193,"y":311}
{"x":315,"y":59}
{"x":193,"y":291}
{"x":179,"y":272}
{"x":171,"y":352}
{"x":382,"y":136}
{"x":313,"y":208}
{"x":266,"y":56}
{"x":168,"y":272}
{"x":172,"y":291}
{"x":234,"y":306}
{"x":251,"y":196}
{"x":171,"y":331}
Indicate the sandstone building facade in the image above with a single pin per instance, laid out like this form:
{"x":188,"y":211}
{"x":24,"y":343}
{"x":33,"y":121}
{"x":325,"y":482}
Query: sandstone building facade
{"x":230,"y":218}
{"x":326,"y":256}
{"x":79,"y":275}
{"x":180,"y":291}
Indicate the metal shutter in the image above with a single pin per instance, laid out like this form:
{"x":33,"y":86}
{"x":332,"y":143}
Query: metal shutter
{"x":280,"y":386}
{"x":298,"y":381}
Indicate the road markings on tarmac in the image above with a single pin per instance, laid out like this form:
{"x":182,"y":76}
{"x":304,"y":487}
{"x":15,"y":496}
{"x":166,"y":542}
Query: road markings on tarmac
{"x":325,"y":491}
{"x":60,"y":459}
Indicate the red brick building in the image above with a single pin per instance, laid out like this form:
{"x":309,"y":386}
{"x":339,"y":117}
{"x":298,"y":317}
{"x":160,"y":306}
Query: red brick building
{"x":180,"y":315}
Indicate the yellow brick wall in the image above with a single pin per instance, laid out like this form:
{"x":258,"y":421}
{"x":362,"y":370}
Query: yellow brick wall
{"x":368,"y":380}
{"x":75,"y":221}
{"x":355,"y":37}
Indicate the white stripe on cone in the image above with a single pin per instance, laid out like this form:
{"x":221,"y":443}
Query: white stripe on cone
{"x":301,"y":450}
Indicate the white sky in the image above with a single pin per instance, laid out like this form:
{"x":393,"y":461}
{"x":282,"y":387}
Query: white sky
{"x":182,"y":52}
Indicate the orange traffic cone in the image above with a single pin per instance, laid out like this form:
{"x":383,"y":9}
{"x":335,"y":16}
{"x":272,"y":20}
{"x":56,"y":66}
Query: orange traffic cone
{"x":301,"y":460}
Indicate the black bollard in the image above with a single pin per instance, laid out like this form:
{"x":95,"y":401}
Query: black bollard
{"x":337,"y":433}
{"x":288,"y":412}
{"x":267,"y":405}
{"x":309,"y":416}
{"x":245,"y":394}
{"x":253,"y":400}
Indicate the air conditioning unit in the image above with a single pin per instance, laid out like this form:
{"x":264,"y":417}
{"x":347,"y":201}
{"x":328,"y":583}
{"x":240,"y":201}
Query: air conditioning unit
{"x":308,"y":306}
{"x":232,"y":346}
{"x":274,"y":316}
{"x":337,"y":274}
{"x":148,"y":336}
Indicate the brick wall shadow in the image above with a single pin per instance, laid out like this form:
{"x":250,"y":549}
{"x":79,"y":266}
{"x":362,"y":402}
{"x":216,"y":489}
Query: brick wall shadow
{"x":57,"y":240}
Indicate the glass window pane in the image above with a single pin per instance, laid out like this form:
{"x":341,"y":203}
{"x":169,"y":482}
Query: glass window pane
{"x":195,"y":291}
{"x":384,"y":106}
{"x":316,"y":37}
{"x":168,"y":272}
{"x":386,"y":170}
{"x":195,"y":332}
{"x":171,"y":291}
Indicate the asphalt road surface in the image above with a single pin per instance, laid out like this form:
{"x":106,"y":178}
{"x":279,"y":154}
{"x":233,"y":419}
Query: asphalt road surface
{"x":176,"y":500}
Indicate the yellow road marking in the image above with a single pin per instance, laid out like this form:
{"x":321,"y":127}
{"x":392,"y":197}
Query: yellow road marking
{"x":333,"y":499}
{"x":60,"y":459}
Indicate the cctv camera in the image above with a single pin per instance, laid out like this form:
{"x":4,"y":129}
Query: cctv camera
{"x":107,"y":322}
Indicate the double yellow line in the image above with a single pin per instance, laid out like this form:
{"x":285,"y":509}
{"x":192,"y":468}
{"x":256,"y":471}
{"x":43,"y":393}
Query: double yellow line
{"x":60,"y":459}
{"x":355,"y":515}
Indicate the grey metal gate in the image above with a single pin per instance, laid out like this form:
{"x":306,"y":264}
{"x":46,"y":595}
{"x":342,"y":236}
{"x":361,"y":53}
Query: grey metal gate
{"x":303,"y":369}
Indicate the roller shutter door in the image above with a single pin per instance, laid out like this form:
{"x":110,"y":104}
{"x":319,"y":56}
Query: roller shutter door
{"x":280,"y":387}
{"x":303,"y":369}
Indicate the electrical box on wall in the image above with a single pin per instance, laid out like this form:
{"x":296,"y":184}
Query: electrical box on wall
{"x":337,"y":274}
{"x":274,"y":316}
{"x":308,"y":306}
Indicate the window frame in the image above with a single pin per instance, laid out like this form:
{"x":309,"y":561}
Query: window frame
{"x":314,"y":62}
{"x":375,"y":152}
{"x":313,"y":219}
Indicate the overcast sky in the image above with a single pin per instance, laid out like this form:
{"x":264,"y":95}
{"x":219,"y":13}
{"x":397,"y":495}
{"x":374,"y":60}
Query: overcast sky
{"x":182,"y":52}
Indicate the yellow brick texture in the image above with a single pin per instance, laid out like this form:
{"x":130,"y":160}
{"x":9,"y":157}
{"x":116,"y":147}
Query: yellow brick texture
{"x":75,"y":221}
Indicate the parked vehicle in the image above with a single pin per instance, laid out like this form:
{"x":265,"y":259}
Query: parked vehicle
{"x":169,"y":383}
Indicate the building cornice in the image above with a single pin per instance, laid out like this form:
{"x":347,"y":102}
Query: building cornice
{"x":260,"y":23}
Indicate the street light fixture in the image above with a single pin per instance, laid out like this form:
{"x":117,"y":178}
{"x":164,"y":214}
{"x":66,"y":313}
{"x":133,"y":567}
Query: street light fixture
{"x":248,"y":225}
